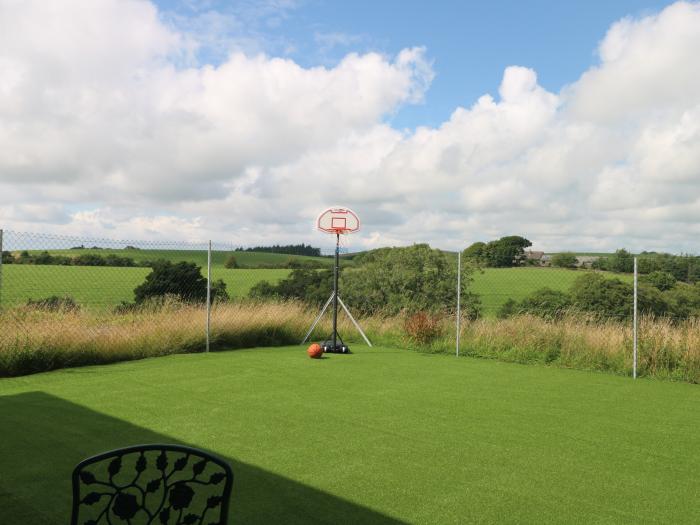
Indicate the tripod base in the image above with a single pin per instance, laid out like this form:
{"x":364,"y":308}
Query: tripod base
{"x":340,"y":347}
{"x":329,"y":344}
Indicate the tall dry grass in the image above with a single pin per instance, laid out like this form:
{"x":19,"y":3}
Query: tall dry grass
{"x":33,"y":340}
{"x":667,"y":349}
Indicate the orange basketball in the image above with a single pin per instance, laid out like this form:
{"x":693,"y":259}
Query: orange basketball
{"x":315,"y":351}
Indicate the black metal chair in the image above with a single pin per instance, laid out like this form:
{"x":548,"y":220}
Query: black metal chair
{"x":159,"y":484}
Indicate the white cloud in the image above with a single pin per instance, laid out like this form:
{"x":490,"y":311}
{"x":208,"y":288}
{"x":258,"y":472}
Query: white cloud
{"x":122,"y":120}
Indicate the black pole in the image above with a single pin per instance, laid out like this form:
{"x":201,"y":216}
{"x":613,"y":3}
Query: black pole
{"x":335,"y":290}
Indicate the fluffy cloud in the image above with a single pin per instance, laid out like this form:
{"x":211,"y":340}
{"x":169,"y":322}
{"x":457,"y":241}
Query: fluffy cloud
{"x":129,"y":129}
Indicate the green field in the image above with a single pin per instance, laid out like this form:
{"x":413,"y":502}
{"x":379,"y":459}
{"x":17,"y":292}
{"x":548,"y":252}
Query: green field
{"x":381,"y":436}
{"x":496,"y":285}
{"x":105,"y":286}
{"x":108,"y":286}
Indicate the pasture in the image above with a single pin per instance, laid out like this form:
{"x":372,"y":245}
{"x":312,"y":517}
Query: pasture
{"x":382,"y":436}
{"x":496,"y":285}
{"x":101,"y":286}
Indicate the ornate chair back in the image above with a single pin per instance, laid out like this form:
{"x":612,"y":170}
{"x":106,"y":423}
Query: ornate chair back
{"x":158,"y":484}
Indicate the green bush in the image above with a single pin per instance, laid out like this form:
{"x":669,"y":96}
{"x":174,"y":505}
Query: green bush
{"x":54,"y":304}
{"x":231,"y":262}
{"x":660,"y":280}
{"x":183,"y":280}
{"x":565,"y":260}
{"x":545,"y":303}
{"x":305,"y":284}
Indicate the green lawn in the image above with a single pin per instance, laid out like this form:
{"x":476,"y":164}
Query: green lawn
{"x":381,"y":436}
{"x":496,"y":285}
{"x":105,"y":286}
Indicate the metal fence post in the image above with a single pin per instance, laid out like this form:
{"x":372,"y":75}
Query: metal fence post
{"x":208,"y":294}
{"x":634,"y":326}
{"x":1,"y":234}
{"x":459,"y":296}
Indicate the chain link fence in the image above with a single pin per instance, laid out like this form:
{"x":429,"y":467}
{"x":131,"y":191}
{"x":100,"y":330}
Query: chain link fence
{"x":67,"y":301}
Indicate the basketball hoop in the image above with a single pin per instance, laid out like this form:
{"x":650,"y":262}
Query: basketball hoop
{"x":338,"y":221}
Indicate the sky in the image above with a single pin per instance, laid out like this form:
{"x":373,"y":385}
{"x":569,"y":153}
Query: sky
{"x":574,"y":124}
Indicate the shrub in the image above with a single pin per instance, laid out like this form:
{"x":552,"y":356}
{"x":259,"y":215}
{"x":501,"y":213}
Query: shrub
{"x":8,"y":258}
{"x":231,"y":262}
{"x":423,"y":327}
{"x":660,"y":280}
{"x":183,"y":280}
{"x":54,"y":304}
{"x":545,"y":303}
{"x":507,"y":309}
{"x":684,"y":300}
{"x":218,"y":291}
{"x":307,"y":285}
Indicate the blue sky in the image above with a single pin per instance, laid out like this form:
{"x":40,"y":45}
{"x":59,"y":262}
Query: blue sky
{"x":470,"y":43}
{"x":241,"y":121}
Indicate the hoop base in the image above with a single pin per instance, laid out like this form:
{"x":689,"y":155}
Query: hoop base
{"x":340,"y":348}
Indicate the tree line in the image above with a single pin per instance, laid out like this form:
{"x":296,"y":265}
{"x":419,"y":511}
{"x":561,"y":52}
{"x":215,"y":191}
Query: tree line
{"x":659,"y":294}
{"x":682,"y":267}
{"x":84,"y":259}
{"x":287,"y":249}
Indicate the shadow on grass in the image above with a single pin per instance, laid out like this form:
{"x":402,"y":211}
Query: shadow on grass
{"x":43,"y":437}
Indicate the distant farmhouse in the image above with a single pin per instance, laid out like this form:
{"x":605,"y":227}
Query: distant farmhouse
{"x":543,"y":259}
{"x":533,"y":256}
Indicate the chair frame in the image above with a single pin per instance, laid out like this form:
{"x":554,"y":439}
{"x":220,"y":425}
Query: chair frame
{"x":162,"y":447}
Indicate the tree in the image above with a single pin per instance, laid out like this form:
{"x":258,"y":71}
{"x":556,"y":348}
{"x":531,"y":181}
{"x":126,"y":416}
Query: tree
{"x":564,"y":260}
{"x":182,"y":279}
{"x":231,"y":262}
{"x":502,"y":253}
{"x":622,"y":261}
{"x":8,"y":258}
{"x":412,"y":279}
{"x":475,"y":252}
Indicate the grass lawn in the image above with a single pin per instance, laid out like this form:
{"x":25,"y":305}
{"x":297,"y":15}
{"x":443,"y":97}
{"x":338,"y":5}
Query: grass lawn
{"x":381,"y":436}
{"x":497,"y":285}
{"x":105,"y":286}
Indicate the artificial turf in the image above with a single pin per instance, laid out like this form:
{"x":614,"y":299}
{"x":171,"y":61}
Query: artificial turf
{"x":380,"y":436}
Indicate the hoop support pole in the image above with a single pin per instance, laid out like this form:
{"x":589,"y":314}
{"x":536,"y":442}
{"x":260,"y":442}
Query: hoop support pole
{"x":318,"y":318}
{"x":335,"y":290}
{"x":354,"y":322}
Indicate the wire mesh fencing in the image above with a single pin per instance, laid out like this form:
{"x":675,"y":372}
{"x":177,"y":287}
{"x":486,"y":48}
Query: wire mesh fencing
{"x":66,"y":301}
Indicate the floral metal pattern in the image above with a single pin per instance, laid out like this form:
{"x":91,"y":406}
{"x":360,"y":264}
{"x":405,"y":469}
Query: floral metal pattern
{"x":152,"y":484}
